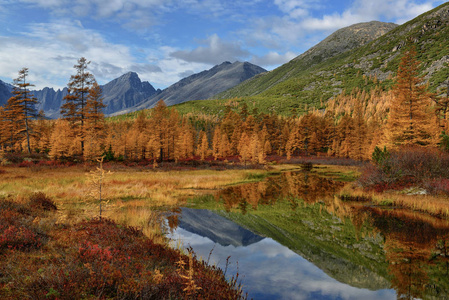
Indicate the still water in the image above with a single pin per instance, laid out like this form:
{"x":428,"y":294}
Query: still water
{"x":290,"y":237}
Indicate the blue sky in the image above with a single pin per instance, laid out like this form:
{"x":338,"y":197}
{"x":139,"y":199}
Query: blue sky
{"x":166,"y":40}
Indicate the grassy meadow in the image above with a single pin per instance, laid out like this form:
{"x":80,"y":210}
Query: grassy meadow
{"x":131,"y":195}
{"x":54,"y":245}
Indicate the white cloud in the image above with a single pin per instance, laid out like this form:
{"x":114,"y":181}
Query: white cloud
{"x":215,"y":52}
{"x":50,"y":50}
{"x":366,"y":10}
{"x":273,"y":59}
{"x":296,"y":8}
{"x":132,"y":14}
{"x":303,"y":23}
{"x":241,"y":28}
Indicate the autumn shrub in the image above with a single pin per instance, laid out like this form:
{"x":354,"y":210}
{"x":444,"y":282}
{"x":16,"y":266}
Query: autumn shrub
{"x":438,"y":186}
{"x":406,"y":166}
{"x":420,"y":163}
{"x":104,"y":260}
{"x":16,"y":228}
{"x":19,"y":157}
{"x":18,"y":238}
{"x":26,"y":164}
{"x":14,"y":157}
{"x":40,"y":201}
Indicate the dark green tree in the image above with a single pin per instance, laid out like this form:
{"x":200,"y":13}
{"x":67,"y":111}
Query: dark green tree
{"x":26,"y":105}
{"x":74,"y":108}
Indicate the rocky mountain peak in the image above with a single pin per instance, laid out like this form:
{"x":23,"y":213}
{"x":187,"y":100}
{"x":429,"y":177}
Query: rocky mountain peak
{"x":203,"y":85}
{"x":346,"y":39}
{"x":126,"y":91}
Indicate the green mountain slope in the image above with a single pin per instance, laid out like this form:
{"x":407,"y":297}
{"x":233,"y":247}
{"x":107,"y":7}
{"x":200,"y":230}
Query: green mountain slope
{"x":341,"y":41}
{"x":314,"y":77}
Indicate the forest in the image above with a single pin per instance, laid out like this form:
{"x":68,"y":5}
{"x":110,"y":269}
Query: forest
{"x":352,"y":125}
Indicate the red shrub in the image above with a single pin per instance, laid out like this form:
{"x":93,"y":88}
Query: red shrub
{"x":40,"y":201}
{"x":19,"y":238}
{"x":405,"y":167}
{"x":26,"y":164}
{"x":438,"y":186}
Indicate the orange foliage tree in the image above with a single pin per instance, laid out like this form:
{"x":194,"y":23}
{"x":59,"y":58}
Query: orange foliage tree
{"x":95,"y":124}
{"x":409,"y":118}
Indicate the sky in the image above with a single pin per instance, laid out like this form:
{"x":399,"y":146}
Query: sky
{"x":166,"y":40}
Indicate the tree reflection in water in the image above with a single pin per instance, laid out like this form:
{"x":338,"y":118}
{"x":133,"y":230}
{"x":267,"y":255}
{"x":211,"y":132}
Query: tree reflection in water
{"x":292,"y":186}
{"x":416,"y":251}
{"x":415,"y":246}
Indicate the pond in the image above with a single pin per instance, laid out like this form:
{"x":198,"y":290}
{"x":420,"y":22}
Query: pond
{"x":290,"y":237}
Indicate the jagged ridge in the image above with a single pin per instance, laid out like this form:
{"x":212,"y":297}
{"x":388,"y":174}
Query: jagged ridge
{"x":203,"y":85}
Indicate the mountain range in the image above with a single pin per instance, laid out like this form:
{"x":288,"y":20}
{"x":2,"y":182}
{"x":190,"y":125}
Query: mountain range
{"x":203,"y":85}
{"x":129,"y":93}
{"x":359,"y":56}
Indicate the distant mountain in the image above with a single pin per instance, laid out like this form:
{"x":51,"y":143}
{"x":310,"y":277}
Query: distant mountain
{"x":120,"y":93}
{"x":203,"y":85}
{"x":50,"y":101}
{"x":126,"y":91}
{"x":5,"y":92}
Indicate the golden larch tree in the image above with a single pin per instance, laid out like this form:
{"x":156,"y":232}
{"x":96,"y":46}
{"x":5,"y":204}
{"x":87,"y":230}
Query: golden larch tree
{"x":409,"y":118}
{"x":95,"y":125}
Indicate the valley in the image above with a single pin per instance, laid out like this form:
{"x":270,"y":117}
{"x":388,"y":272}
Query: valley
{"x":328,"y":175}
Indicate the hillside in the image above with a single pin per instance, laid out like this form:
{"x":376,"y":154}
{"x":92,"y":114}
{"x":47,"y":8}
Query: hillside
{"x":319,"y":74}
{"x":339,"y":42}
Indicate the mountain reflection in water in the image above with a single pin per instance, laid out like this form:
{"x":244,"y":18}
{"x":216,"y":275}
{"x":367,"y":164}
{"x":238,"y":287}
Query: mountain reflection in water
{"x":317,"y":246}
{"x":269,"y":270}
{"x":220,"y":230}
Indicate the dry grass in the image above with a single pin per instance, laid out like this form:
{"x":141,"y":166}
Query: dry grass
{"x":133,"y":197}
{"x":435,"y":205}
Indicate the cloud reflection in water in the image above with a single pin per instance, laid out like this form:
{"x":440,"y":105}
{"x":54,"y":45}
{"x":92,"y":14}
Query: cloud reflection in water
{"x":269,"y":270}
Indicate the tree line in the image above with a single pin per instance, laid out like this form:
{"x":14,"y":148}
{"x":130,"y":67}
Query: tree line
{"x":352,"y":125}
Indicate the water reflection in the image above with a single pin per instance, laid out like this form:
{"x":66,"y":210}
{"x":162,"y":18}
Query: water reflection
{"x":302,"y":242}
{"x":290,"y":185}
{"x":271,"y":271}
{"x":416,"y":250}
{"x":220,"y":230}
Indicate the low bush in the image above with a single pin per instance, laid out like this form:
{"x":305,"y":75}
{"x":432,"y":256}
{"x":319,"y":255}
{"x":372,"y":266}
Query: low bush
{"x":405,"y":167}
{"x":96,"y":259}
{"x":17,"y":229}
{"x":439,"y":186}
{"x":40,"y":201}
